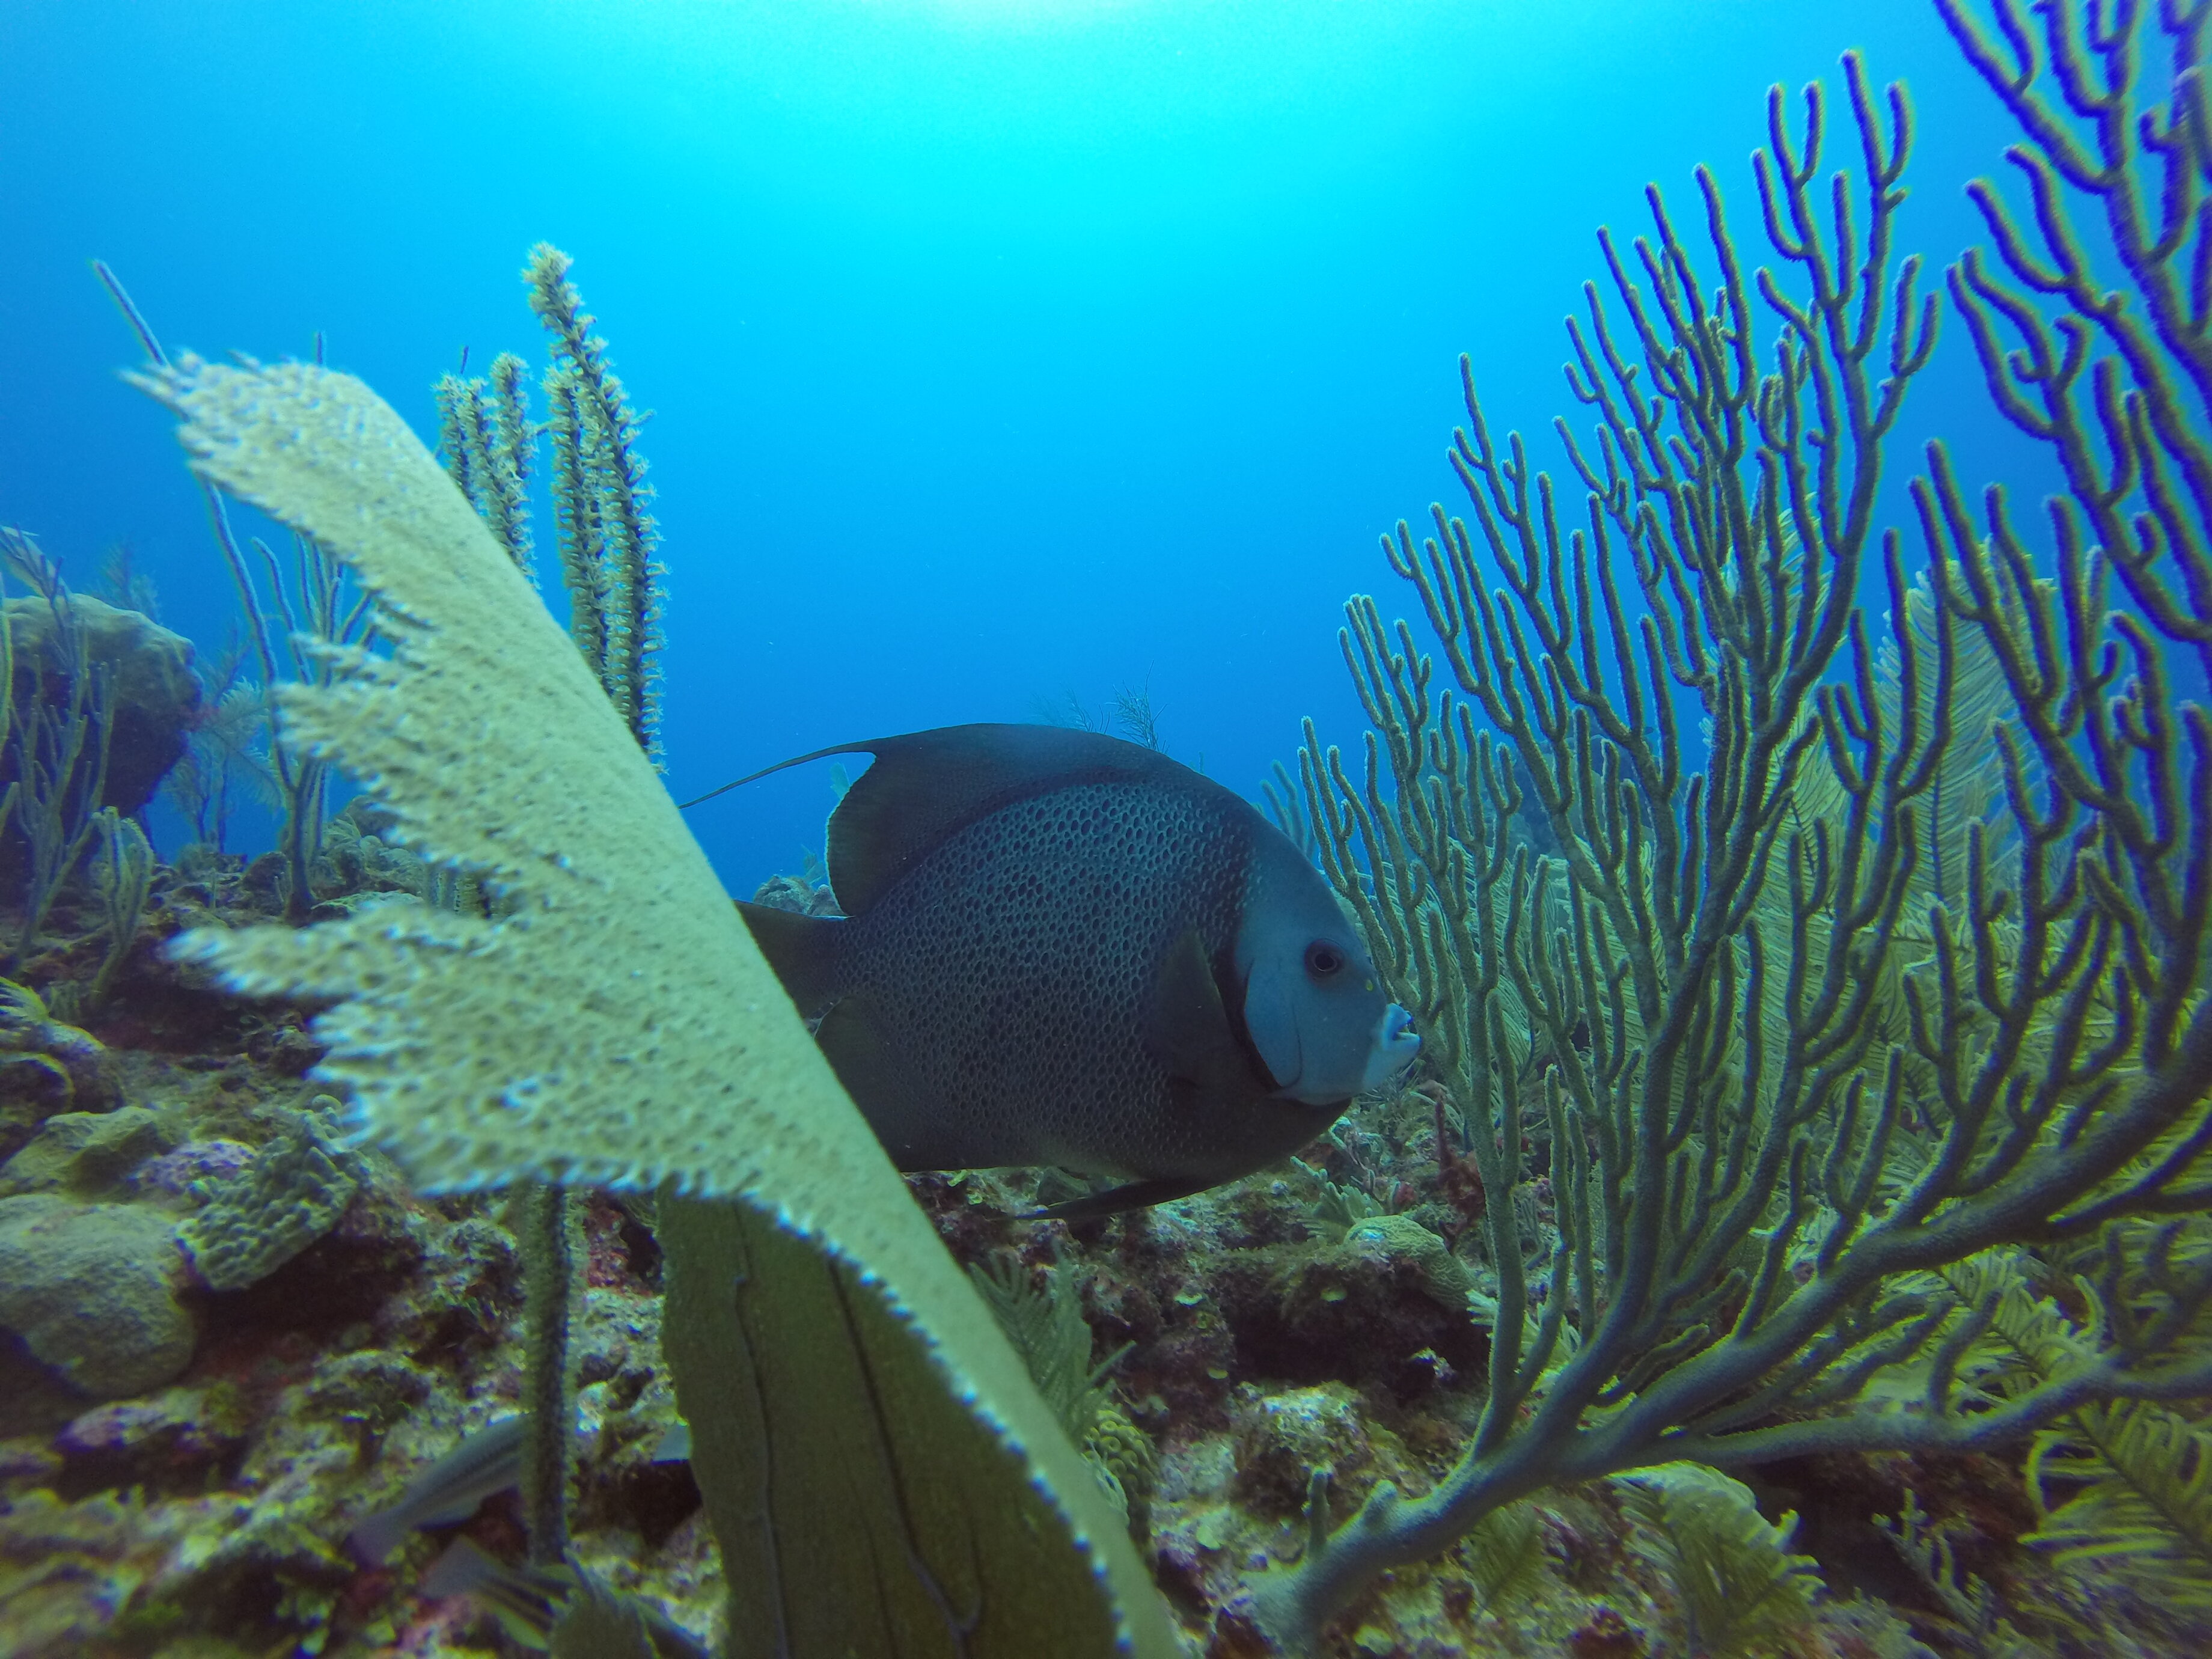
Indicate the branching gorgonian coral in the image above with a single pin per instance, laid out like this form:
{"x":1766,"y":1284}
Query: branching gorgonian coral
{"x":1862,"y":958}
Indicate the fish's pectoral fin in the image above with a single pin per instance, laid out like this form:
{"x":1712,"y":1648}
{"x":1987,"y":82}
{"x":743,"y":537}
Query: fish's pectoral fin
{"x":1134,"y":1196}
{"x":1190,"y":1030}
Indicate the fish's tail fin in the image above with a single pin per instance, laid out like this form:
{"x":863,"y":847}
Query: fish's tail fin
{"x":803,"y":950}
{"x":526,"y":1600}
{"x":378,"y":1535}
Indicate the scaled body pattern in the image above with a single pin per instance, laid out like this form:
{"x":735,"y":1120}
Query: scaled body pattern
{"x":1060,"y":948}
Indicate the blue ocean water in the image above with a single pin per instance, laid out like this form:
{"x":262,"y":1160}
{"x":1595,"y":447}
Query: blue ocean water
{"x":1000,"y":352}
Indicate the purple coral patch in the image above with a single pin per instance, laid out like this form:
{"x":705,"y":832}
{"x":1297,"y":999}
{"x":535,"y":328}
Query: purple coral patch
{"x":174,"y":1173}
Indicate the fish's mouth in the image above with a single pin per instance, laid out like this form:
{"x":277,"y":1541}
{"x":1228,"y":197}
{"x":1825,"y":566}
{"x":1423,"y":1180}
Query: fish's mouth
{"x":1395,"y":1044}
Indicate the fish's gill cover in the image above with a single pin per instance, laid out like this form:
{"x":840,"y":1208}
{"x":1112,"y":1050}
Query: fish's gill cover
{"x":617,"y":1025}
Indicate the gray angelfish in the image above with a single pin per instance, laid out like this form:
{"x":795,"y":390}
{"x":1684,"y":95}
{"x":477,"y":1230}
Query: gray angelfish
{"x":1060,"y":948}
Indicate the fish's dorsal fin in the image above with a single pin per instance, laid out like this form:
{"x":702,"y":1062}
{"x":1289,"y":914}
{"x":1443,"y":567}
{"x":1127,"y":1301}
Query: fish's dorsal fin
{"x":926,"y":786}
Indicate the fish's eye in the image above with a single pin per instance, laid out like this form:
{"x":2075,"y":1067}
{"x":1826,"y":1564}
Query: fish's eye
{"x":1324,"y":960}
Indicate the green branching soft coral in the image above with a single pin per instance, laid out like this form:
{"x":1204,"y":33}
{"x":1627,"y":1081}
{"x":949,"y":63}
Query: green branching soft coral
{"x":2124,"y":1487}
{"x":1735,"y":1582}
{"x":1337,"y":1207}
{"x":1972,"y":1616}
{"x":1048,"y":1329}
{"x":489,"y":442}
{"x":2141,"y":1502}
{"x":66,"y":1068}
{"x":608,"y":539}
{"x":1504,"y":1555}
{"x":1906,"y":958}
{"x":547,"y":1226}
{"x":1049,"y":1333}
{"x":123,"y":876}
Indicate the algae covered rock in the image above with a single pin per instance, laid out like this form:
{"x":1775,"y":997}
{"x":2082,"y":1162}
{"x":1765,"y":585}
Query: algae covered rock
{"x":46,"y":1067}
{"x":154,"y":697}
{"x":1281,"y":1438}
{"x":1384,"y":1306}
{"x":86,"y":1152}
{"x":72,"y":1571}
{"x":1398,"y":1243}
{"x":168,"y":1443}
{"x":91,"y":1290}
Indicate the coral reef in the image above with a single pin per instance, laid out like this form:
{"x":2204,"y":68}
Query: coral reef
{"x":1808,"y":1064}
{"x":88,"y":1153}
{"x":431,"y":1020}
{"x":46,"y":1068}
{"x":1868,"y":1165}
{"x":608,"y":539}
{"x":209,"y":1516}
{"x":293,"y":1192}
{"x":91,"y":1290}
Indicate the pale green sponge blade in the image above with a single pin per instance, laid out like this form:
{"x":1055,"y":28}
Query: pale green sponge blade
{"x":617,"y":1026}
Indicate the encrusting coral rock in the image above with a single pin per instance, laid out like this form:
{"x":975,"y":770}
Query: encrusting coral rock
{"x":1385,"y":1305}
{"x":46,"y":1067}
{"x":1282,"y":1438}
{"x":176,"y":1173}
{"x":86,"y":1151}
{"x":91,"y":1289}
{"x":1393,"y":1239}
{"x":154,"y":697}
{"x":293,"y":1192}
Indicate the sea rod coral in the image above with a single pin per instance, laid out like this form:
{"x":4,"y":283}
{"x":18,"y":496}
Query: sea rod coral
{"x":1791,"y":1041}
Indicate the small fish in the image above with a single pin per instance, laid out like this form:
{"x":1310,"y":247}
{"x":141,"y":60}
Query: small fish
{"x":529,"y":1602}
{"x":448,"y":1491}
{"x":526,"y":1600}
{"x":1060,"y":948}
